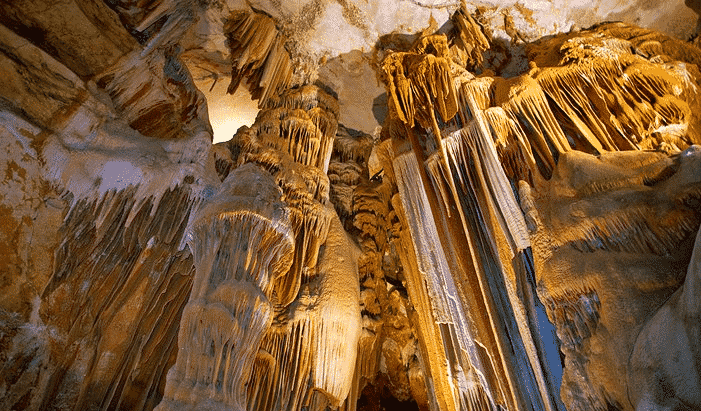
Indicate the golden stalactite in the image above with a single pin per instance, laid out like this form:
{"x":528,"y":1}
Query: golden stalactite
{"x":258,"y":55}
{"x":611,"y":90}
{"x":431,"y":346}
{"x":595,"y":93}
{"x":319,"y":110}
{"x":596,"y":96}
{"x":471,"y":38}
{"x":481,"y":89}
{"x":526,"y":103}
{"x":419,"y":84}
{"x":513,"y":150}
{"x":616,"y":104}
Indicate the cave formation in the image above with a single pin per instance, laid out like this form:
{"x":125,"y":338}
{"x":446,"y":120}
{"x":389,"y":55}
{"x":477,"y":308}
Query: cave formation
{"x":436,"y":205}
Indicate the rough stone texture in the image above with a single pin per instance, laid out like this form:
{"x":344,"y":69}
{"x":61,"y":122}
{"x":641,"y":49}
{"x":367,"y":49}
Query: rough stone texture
{"x":611,"y":239}
{"x":31,"y":216}
{"x":322,"y":30}
{"x":424,"y":182}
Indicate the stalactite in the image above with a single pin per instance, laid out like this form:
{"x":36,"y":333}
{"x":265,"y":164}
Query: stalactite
{"x":322,"y":110}
{"x":314,"y":344}
{"x":431,"y":347}
{"x":614,"y":104}
{"x":562,"y":86}
{"x":486,"y":196}
{"x":304,"y":126}
{"x":258,"y":54}
{"x":296,"y":151}
{"x":468,"y":143}
{"x":481,"y":91}
{"x":292,"y":132}
{"x":512,"y":146}
{"x":525,"y":101}
{"x":613,"y":95}
{"x":420,"y":84}
{"x":469,"y":178}
{"x":470,"y":38}
{"x":306,"y":98}
{"x":431,"y":291}
{"x":136,"y":274}
{"x":460,"y":349}
{"x":351,"y":145}
{"x":307,"y":357}
{"x":282,"y":370}
{"x":578,"y":314}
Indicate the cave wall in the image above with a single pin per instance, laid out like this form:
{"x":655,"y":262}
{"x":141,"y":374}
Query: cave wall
{"x":423,"y":183}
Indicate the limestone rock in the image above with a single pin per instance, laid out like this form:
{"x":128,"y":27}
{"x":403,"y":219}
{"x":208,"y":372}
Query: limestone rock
{"x":438,"y":206}
{"x":644,"y":256}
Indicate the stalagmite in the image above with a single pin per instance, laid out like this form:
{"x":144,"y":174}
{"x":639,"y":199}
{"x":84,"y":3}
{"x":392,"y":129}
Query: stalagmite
{"x":241,"y":243}
{"x":513,"y":225}
{"x":307,"y":350}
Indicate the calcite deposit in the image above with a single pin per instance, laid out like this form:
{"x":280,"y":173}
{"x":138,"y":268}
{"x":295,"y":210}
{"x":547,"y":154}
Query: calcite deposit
{"x":436,"y":205}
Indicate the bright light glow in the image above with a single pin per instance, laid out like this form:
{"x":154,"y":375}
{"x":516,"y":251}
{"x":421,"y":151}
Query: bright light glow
{"x":229,"y":112}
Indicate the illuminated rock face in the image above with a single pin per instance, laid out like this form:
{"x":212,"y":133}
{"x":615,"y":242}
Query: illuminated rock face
{"x":241,"y":242}
{"x":307,"y":265}
{"x":308,"y":353}
{"x":595,"y":228}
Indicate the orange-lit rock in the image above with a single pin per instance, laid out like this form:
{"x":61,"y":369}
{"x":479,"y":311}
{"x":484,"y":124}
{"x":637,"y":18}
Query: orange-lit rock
{"x":521,"y":233}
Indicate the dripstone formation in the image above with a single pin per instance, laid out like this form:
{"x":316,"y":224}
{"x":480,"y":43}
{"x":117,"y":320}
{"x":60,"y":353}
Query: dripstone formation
{"x":454,"y":206}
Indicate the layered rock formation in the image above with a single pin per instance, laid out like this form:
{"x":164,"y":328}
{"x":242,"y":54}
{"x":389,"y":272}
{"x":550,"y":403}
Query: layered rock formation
{"x":512,"y":225}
